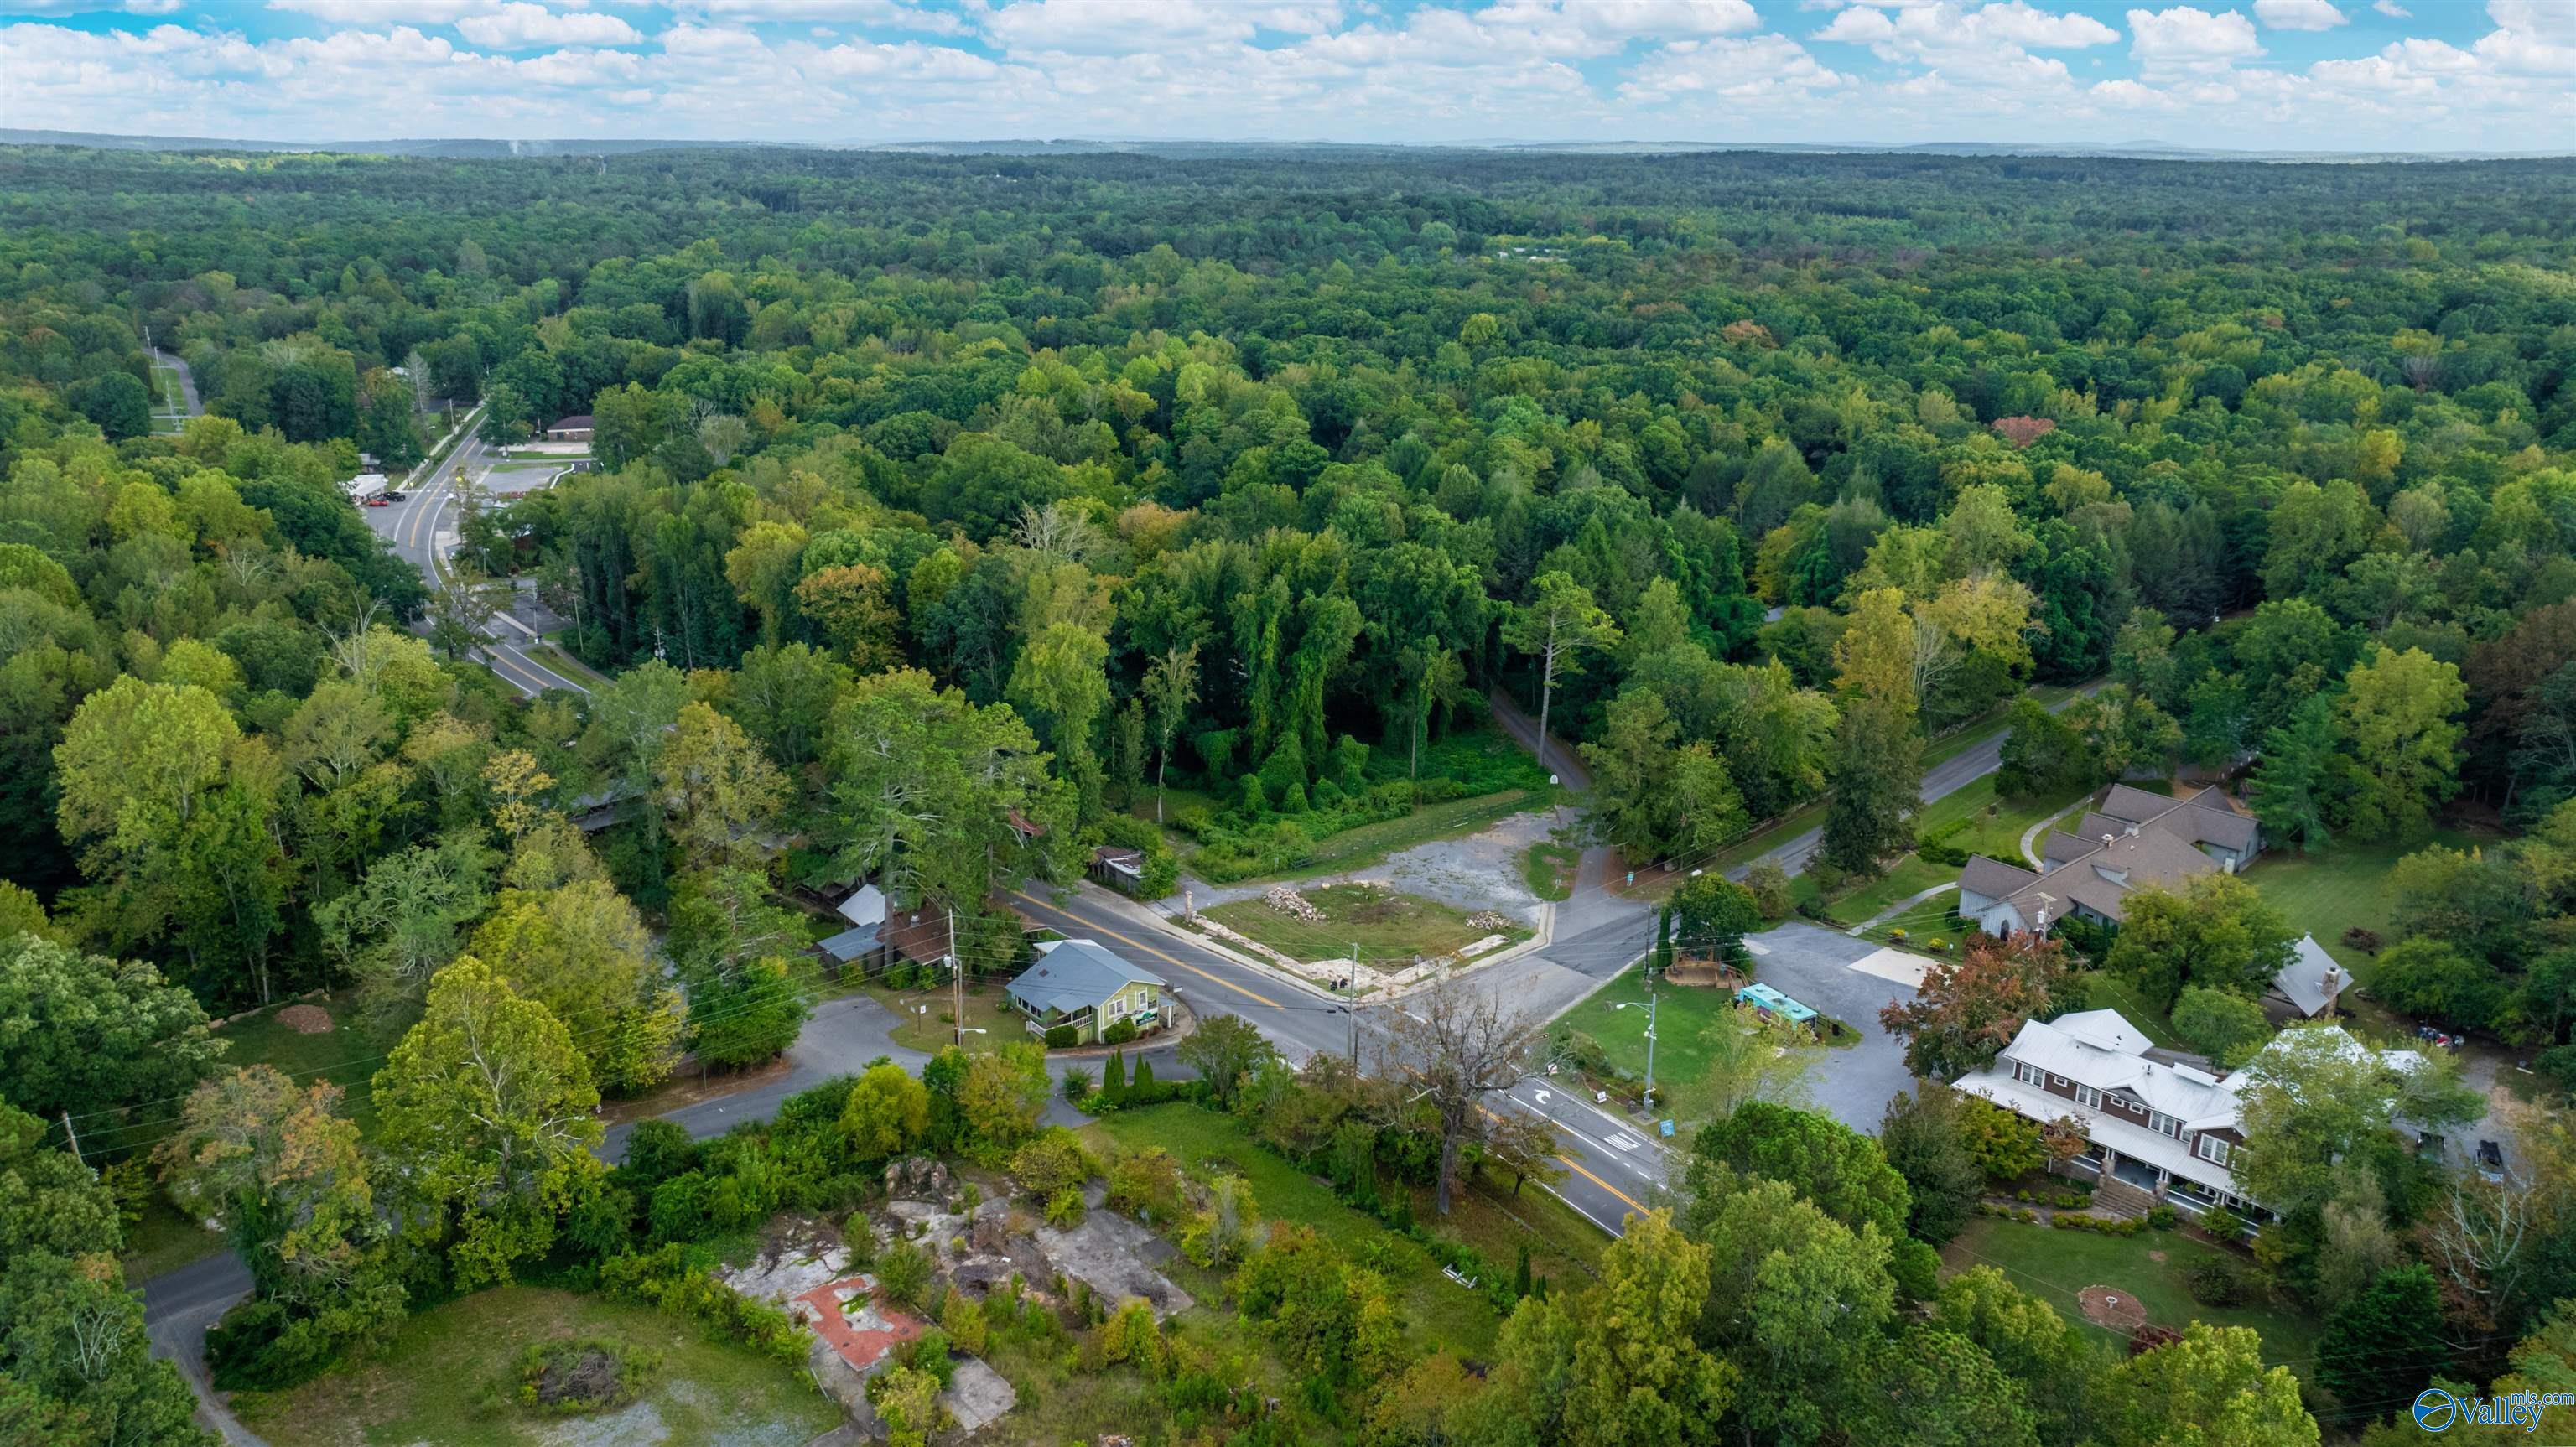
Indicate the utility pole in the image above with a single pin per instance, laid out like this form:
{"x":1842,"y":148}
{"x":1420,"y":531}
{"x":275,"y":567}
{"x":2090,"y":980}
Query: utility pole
{"x":956,"y":983}
{"x":70,"y":1135}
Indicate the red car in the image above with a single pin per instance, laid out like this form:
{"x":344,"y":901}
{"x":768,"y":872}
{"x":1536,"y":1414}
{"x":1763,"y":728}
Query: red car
{"x":380,"y":502}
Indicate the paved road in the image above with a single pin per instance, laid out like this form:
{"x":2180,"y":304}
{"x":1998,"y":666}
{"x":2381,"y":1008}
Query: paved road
{"x":190,"y":403}
{"x":1939,"y":782}
{"x":178,"y":1306}
{"x":415,"y":527}
{"x":1610,"y":1172}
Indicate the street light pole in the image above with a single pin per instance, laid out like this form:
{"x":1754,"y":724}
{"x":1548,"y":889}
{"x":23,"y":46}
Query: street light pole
{"x":1650,"y":1002}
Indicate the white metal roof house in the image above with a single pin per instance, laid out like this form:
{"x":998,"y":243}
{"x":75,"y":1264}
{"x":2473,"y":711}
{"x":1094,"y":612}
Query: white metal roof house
{"x":2135,"y":840}
{"x":2168,"y":1131}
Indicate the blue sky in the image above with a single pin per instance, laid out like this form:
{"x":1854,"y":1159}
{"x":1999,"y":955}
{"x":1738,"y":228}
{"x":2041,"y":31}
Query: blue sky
{"x":2412,"y":75}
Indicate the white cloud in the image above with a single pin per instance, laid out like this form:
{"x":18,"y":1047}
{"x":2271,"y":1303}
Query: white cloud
{"x":84,"y":7}
{"x":2188,"y":38}
{"x":518,"y":25}
{"x":2033,"y":29}
{"x":1736,"y":70}
{"x":2299,"y":14}
{"x":1296,"y":69}
{"x":2392,"y":9}
{"x":900,"y":14}
{"x":1110,"y":27}
{"x":390,"y":12}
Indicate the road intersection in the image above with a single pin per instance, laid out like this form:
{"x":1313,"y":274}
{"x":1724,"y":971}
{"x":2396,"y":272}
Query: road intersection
{"x":417,"y":529}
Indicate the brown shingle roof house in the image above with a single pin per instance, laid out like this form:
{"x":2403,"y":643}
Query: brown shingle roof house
{"x":2135,"y":840}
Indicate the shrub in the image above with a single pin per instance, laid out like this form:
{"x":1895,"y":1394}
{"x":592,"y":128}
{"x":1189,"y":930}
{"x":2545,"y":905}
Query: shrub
{"x":588,"y":1375}
{"x":1064,"y":1209}
{"x":859,"y":1238}
{"x":1077,"y":1083}
{"x":1148,"y":1181}
{"x":1052,"y":1162}
{"x":903,"y":1270}
{"x":1059,"y":1037}
{"x":1130,"y":1333}
{"x":2215,"y":1281}
{"x":907,"y":1398}
{"x":2162,"y":1217}
{"x":2151,"y":1336}
{"x":1770,"y":886}
{"x":1119,"y":1032}
{"x":963,"y":1319}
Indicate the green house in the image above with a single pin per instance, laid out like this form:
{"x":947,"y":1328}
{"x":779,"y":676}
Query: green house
{"x":1082,"y":984}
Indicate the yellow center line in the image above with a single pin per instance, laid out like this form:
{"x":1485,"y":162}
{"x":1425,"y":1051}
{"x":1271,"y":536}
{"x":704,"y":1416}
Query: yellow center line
{"x":1571,"y":1164}
{"x":1149,"y":949}
{"x":1575,"y":1166}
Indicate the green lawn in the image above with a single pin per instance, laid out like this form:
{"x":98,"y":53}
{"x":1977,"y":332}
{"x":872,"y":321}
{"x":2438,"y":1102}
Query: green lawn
{"x":450,"y":1373}
{"x":1438,"y":1313}
{"x":553,"y":656}
{"x":1549,"y":869}
{"x":934,"y":1029}
{"x":349,"y":1054}
{"x":1912,"y":875}
{"x":2110,"y":992}
{"x":1380,"y":924}
{"x":1681,"y":1012}
{"x":2339,"y":888}
{"x":164,"y":1240}
{"x":2054,"y":1265}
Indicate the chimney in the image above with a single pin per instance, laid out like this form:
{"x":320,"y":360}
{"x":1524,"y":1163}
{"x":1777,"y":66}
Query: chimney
{"x":2132,"y":831}
{"x":2109,"y":839}
{"x":2333,"y":981}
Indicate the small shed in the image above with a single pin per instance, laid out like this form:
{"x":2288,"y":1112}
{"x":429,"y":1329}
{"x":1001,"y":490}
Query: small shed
{"x":2311,"y":980}
{"x":1121,"y":867}
{"x":1082,"y":983}
{"x":1775,"y":1006}
{"x":865,"y":909}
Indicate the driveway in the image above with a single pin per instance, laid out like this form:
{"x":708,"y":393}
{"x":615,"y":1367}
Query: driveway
{"x":1813,"y":966}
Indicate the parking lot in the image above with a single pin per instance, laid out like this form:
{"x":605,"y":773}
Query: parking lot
{"x":1813,"y":965}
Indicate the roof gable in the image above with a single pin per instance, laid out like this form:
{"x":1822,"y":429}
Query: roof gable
{"x":1075,"y":974}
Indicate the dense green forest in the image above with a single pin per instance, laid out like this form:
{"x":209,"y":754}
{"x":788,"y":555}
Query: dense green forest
{"x":957,"y":513}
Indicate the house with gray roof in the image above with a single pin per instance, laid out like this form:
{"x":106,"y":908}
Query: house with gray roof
{"x":2311,"y":980}
{"x":1084,"y":984}
{"x":2134,"y":840}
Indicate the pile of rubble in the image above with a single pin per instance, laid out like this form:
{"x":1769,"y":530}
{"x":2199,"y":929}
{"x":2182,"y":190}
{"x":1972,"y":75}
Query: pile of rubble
{"x":1292,"y":904}
{"x":1492,"y":921}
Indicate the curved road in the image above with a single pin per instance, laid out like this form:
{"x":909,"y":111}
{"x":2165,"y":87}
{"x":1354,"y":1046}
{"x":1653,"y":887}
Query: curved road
{"x":416,"y":529}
